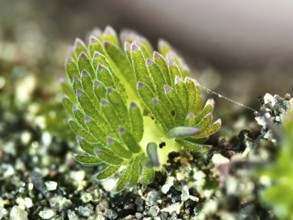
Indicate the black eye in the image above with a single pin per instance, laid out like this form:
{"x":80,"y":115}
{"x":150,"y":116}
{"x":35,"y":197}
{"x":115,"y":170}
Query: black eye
{"x":162,"y":144}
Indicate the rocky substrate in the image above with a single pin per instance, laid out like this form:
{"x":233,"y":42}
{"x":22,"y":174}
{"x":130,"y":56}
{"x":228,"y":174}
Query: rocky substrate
{"x":40,"y":180}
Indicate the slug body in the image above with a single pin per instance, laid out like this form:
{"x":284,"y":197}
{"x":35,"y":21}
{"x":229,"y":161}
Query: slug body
{"x":130,"y":106}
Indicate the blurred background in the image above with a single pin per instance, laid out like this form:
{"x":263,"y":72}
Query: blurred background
{"x":241,"y":49}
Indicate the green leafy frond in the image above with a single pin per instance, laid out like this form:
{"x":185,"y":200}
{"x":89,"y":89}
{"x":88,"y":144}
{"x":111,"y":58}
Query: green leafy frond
{"x":107,"y":172}
{"x":148,"y":176}
{"x":125,"y":99}
{"x":87,"y":160}
{"x":125,"y":177}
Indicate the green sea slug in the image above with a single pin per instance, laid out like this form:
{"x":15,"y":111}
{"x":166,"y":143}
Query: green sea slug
{"x":131,"y":106}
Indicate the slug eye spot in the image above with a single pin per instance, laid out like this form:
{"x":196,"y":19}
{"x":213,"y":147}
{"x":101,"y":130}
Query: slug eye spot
{"x":152,"y":117}
{"x":173,"y":113}
{"x":162,"y":144}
